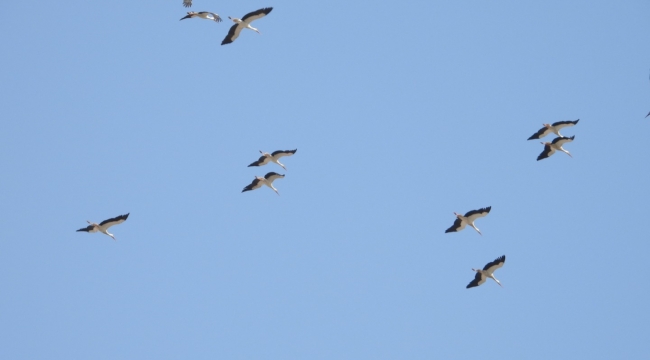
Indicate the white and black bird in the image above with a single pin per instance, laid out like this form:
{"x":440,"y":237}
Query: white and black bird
{"x":487,"y":272}
{"x":556,"y":144}
{"x":187,"y":3}
{"x":243,"y":23}
{"x":468,"y":219}
{"x":104,"y":225}
{"x":203,"y":15}
{"x":266,"y":180}
{"x":552,"y":128}
{"x":274,"y":156}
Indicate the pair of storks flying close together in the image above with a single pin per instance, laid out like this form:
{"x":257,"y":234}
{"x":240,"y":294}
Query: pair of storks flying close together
{"x":233,"y":33}
{"x":468,"y":219}
{"x":556,"y":144}
{"x":271,"y":176}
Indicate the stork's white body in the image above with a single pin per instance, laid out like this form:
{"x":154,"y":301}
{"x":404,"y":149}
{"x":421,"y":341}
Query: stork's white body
{"x":468,"y":219}
{"x":203,"y":15}
{"x":266,"y":180}
{"x":274,"y":157}
{"x":553,"y":129}
{"x":487,"y":272}
{"x":556,"y":144}
{"x":104,"y":225}
{"x":244,"y":23}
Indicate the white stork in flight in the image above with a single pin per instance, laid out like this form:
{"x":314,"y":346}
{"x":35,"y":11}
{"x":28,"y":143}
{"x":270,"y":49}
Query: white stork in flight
{"x":554,"y":128}
{"x":104,"y":225}
{"x":468,"y":219}
{"x":266,"y":157}
{"x":187,"y":3}
{"x":550,"y":147}
{"x":244,"y":22}
{"x":203,"y":15}
{"x":266,"y":180}
{"x":487,"y":272}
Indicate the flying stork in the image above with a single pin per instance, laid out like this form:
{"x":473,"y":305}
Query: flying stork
{"x":487,"y":272}
{"x":550,"y":147}
{"x":554,"y":128}
{"x":203,"y":15}
{"x":266,"y":180}
{"x":468,"y":219}
{"x":244,"y":22}
{"x":104,"y":225}
{"x":266,"y":157}
{"x":187,"y":3}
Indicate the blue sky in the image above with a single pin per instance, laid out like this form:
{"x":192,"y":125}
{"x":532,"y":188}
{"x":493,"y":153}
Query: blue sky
{"x":402,"y":113}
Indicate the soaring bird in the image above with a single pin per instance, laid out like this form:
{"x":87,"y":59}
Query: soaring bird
{"x":555,"y":128}
{"x":266,"y":157}
{"x":487,"y":272}
{"x":104,"y":225}
{"x":244,"y":22}
{"x":203,"y":15}
{"x":550,"y":147}
{"x":468,"y":219}
{"x":266,"y":180}
{"x":187,"y":3}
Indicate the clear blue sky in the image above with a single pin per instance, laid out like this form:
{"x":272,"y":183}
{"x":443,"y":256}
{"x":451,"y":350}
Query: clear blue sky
{"x":402,"y":112}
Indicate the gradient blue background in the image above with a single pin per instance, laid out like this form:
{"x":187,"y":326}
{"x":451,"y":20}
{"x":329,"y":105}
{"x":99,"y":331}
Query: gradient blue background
{"x":402,"y":112}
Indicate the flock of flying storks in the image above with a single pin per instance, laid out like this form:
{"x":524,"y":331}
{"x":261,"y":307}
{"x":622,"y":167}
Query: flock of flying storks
{"x":268,"y":179}
{"x":461,"y":220}
{"x":233,"y":33}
